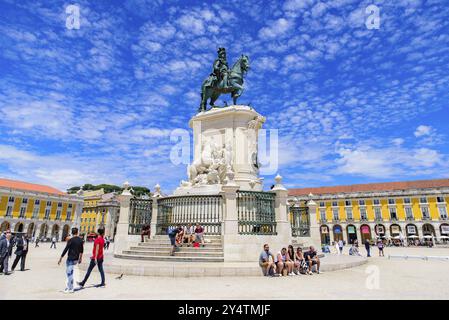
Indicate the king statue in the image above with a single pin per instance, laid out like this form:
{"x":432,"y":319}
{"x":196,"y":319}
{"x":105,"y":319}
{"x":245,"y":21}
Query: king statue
{"x":223,"y":80}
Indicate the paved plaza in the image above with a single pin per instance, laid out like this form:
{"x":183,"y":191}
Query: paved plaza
{"x":398,"y":279}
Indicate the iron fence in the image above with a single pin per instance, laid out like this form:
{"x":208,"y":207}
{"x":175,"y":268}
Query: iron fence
{"x":299,"y":219}
{"x":140,"y":211}
{"x":256,"y":215}
{"x":207,"y":210}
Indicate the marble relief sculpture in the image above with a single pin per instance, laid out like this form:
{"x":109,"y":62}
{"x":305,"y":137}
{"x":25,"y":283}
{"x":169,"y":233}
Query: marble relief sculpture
{"x":211,"y":168}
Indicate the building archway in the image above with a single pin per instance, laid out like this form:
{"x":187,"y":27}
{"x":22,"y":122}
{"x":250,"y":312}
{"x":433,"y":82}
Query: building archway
{"x":325,"y":236}
{"x":65,"y":232}
{"x":338,"y":233}
{"x":351,"y":231}
{"x":395,"y":230}
{"x":43,"y":231}
{"x":18,"y":227}
{"x":428,"y":230}
{"x":55,"y":231}
{"x":5,"y":226}
{"x":411,"y":230}
{"x":30,"y":230}
{"x":444,"y":229}
{"x":365,"y":232}
{"x":379,"y":229}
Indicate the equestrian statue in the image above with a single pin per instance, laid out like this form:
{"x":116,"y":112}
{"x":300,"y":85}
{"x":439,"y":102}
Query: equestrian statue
{"x":223,"y":80}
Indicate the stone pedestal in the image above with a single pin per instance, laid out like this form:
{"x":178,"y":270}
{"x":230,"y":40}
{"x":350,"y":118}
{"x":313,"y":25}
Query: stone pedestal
{"x":228,"y":136}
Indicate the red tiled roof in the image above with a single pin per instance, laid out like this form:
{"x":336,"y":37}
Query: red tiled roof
{"x":21,"y":185}
{"x":383,"y":186}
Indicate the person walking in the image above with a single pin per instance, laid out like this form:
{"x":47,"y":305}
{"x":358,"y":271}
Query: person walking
{"x":380,"y":246}
{"x":337,"y":248}
{"x":107,"y":243}
{"x":37,"y":242}
{"x":21,"y":252}
{"x":53,"y":242}
{"x":96,"y":259}
{"x":340,"y":246}
{"x":367,"y":247}
{"x":75,"y":250}
{"x":5,"y":249}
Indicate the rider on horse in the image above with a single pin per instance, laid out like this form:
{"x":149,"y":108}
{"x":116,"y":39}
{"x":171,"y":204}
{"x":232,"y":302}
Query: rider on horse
{"x":219,"y":76}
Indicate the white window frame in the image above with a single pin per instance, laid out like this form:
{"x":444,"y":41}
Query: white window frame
{"x":351,"y":215}
{"x":407,"y":216}
{"x":323,"y":215}
{"x":335,"y":210}
{"x":377,"y":216}
{"x":425,"y":217}
{"x":8,"y":212}
{"x":47,"y":213}
{"x":365,"y":215}
{"x":391,"y":210}
{"x":409,"y":200}
{"x":22,"y":213}
{"x":443,"y":215}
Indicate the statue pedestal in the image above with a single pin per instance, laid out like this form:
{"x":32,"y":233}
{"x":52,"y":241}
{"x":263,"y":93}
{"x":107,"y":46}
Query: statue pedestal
{"x":231,"y":134}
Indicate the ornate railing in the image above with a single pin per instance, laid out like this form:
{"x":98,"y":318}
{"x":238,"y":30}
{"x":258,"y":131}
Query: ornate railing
{"x":255,"y":211}
{"x":207,"y":210}
{"x":300,"y":221}
{"x":140,"y":211}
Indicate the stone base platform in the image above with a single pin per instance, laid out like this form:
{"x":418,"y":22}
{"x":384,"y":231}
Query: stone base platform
{"x":330,"y":262}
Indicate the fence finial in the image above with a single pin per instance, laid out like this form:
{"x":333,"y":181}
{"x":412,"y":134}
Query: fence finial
{"x":278,"y":185}
{"x":157,"y":190}
{"x":126,"y":191}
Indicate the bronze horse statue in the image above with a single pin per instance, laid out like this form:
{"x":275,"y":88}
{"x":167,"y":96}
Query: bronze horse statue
{"x":234,"y":85}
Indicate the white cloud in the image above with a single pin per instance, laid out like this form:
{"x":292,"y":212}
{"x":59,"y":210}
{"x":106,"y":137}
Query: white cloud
{"x":276,"y":28}
{"x":422,"y":130}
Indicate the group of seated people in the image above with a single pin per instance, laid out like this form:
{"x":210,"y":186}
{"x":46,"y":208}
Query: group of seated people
{"x":288,"y":261}
{"x":191,"y":235}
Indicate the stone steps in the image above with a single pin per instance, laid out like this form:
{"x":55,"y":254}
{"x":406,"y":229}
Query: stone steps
{"x":159,"y":248}
{"x":167,"y":244}
{"x":177,"y":254}
{"x":182,"y":249}
{"x":175,"y":258}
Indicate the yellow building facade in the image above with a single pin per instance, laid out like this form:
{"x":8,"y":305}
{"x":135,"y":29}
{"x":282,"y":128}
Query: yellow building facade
{"x":37,"y":210}
{"x":90,"y":210}
{"x":397,"y":210}
{"x":100,"y":210}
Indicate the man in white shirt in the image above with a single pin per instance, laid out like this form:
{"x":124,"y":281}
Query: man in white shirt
{"x":53,"y":242}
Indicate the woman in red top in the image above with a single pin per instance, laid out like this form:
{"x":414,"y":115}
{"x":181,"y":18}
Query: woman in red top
{"x":97,"y":258}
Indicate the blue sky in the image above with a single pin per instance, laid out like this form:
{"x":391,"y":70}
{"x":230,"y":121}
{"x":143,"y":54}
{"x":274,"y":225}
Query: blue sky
{"x":98,"y":104}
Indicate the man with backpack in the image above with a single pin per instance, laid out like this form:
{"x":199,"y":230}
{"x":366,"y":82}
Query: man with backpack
{"x":172,"y":235}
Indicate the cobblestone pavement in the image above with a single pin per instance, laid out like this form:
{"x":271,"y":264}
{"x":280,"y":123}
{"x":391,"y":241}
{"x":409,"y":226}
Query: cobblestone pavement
{"x":397,"y":279}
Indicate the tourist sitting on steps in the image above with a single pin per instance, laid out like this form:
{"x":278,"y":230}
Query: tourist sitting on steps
{"x":266,"y":262}
{"x":299,"y":262}
{"x":180,"y":236}
{"x":199,"y":234}
{"x":291,"y":256}
{"x":312,"y":259}
{"x":173,"y":234}
{"x":188,"y":234}
{"x":283,"y":263}
{"x":146,"y":231}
